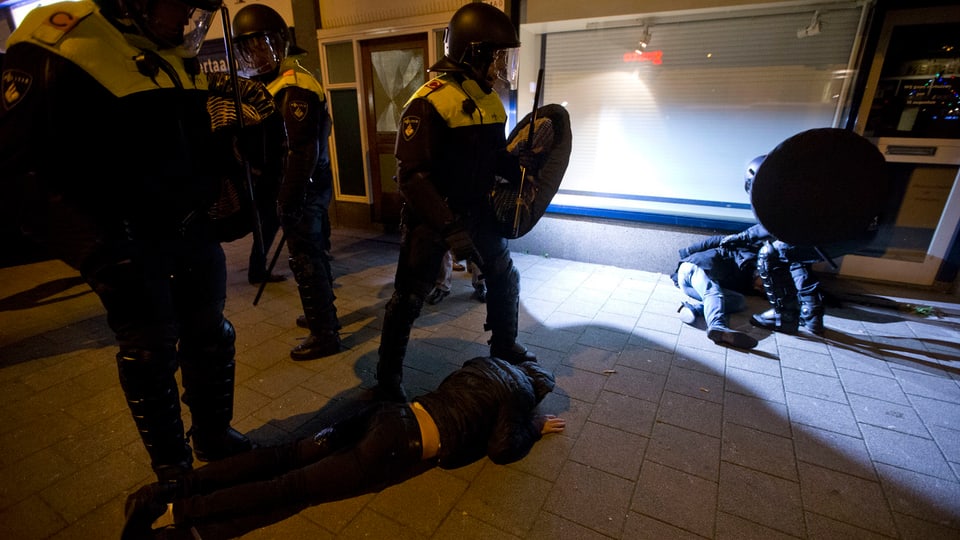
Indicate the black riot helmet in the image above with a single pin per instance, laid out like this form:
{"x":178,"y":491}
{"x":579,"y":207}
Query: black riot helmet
{"x":751,"y":172}
{"x":262,"y":40}
{"x":480,"y":36}
{"x":170,"y":24}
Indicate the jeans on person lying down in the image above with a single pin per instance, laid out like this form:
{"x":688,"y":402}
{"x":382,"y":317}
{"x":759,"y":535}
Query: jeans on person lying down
{"x":699,"y":290}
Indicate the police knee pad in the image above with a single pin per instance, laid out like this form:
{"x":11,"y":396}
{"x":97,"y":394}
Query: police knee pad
{"x":228,"y":334}
{"x":225,"y":345}
{"x":220,"y":345}
{"x":406,"y":305}
{"x":764,"y":256}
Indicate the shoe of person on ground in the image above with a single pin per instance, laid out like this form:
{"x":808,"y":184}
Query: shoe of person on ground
{"x":480,"y":293}
{"x":719,"y":334}
{"x":143,"y":507}
{"x":722,"y":335}
{"x":436,"y":296}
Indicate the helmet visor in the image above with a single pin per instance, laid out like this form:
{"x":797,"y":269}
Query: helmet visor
{"x":173,"y":24}
{"x":195,"y":31}
{"x":506,"y":63}
{"x":258,"y":54}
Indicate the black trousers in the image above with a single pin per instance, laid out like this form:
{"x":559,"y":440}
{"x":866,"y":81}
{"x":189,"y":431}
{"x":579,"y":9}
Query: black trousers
{"x":371,"y":451}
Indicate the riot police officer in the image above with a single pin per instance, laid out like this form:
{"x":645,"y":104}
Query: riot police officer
{"x":106,"y":141}
{"x":265,"y":52}
{"x":789,"y":283}
{"x":450,"y":148}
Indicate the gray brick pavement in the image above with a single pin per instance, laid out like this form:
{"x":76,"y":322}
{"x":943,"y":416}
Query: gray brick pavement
{"x":854,"y":435}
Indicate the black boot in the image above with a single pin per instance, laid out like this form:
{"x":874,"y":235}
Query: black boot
{"x":208,"y":383}
{"x":319,"y":311}
{"x":503,"y":304}
{"x":778,"y":285}
{"x":218,"y":443}
{"x":401,"y":312}
{"x":317,"y":345}
{"x":513,"y":353}
{"x":147,"y":380}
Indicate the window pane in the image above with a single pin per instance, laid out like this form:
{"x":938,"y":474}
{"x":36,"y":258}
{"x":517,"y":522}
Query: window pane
{"x":397,"y":74}
{"x":346,"y":122}
{"x":340,"y":62}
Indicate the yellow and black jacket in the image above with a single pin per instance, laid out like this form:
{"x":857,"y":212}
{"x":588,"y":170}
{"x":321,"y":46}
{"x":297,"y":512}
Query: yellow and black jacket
{"x":451,"y":145}
{"x":110,"y":132}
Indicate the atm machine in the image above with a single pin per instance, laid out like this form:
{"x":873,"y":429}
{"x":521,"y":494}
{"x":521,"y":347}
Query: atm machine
{"x":911,"y":111}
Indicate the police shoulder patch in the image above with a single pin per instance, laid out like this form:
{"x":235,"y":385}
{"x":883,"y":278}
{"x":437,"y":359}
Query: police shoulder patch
{"x":14,"y":84}
{"x":410,"y":125}
{"x":298,"y":109}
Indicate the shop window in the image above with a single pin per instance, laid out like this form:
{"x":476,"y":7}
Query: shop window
{"x":664,"y":133}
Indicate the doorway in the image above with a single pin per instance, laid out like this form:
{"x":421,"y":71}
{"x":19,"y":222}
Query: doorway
{"x":393,"y":69}
{"x":909,"y":111}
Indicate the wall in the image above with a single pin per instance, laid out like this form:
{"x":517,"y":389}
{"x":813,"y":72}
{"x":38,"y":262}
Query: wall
{"x":539,"y":11}
{"x":338,"y":13}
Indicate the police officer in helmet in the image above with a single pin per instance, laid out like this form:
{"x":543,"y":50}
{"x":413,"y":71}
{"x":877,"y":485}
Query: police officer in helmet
{"x":113,"y":165}
{"x":450,"y":148}
{"x":789,"y":283}
{"x":266,"y":52}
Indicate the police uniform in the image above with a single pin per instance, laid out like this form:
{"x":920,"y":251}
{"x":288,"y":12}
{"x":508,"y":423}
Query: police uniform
{"x":305,"y":194}
{"x":450,"y":148}
{"x":109,"y":149}
{"x":788,"y":282}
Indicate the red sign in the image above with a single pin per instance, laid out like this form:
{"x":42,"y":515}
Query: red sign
{"x":654,"y":57}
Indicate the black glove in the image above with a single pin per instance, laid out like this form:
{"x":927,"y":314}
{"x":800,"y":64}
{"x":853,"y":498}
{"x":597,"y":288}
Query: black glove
{"x":732,"y":241}
{"x":529,"y":158}
{"x":460,"y":243}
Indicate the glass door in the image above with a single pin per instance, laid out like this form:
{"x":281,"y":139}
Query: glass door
{"x":911,"y":111}
{"x":393,"y":69}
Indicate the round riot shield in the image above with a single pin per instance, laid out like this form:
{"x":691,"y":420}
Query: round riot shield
{"x":820,"y":187}
{"x":517,"y":213}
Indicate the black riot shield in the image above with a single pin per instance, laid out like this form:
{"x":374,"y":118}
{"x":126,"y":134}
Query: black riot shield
{"x":822,"y":187}
{"x":540,"y":186}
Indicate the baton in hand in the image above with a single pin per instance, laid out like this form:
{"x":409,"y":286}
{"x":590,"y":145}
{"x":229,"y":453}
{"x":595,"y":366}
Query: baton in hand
{"x":238,"y":104}
{"x":523,"y":170}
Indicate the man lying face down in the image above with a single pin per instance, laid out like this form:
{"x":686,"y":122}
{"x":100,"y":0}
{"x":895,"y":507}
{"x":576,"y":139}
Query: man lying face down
{"x":485,"y":408}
